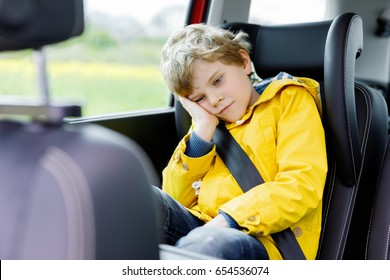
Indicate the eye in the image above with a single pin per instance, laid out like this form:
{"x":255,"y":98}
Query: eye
{"x":198,"y":99}
{"x":217,"y":81}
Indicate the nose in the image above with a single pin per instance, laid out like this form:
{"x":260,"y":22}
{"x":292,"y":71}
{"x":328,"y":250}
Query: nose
{"x":216,"y":99}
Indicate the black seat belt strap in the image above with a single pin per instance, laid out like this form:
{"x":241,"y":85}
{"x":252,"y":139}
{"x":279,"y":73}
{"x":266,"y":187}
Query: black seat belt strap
{"x":236,"y":160}
{"x":247,"y":176}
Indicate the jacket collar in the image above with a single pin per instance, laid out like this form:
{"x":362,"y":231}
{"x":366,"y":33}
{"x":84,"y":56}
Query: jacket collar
{"x":269,"y":87}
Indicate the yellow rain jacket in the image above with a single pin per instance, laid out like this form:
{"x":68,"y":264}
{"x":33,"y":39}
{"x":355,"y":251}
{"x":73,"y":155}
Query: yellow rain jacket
{"x":283,"y":135}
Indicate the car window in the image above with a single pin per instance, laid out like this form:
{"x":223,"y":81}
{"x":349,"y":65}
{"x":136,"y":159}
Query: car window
{"x":286,"y":11}
{"x":113,"y":67}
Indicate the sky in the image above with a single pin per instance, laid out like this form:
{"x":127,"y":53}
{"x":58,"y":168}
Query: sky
{"x":138,"y":9}
{"x":287,"y":11}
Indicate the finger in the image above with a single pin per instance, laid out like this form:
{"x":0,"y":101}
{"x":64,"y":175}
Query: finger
{"x":183,"y":102}
{"x":190,"y":106}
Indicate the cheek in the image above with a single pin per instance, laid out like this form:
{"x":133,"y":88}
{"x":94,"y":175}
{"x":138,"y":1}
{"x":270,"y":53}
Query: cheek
{"x":242,"y":81}
{"x":205,"y":106}
{"x":244,"y":91}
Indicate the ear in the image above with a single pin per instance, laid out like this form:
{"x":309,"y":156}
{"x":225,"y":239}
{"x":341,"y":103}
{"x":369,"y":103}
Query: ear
{"x":247,"y":61}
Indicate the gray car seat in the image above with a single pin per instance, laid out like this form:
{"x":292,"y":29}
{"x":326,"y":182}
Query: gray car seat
{"x":378,"y":239}
{"x":66,"y":191}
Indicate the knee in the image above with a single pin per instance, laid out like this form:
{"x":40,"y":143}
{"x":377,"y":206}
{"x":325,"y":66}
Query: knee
{"x":155,"y":190}
{"x":158,"y":195}
{"x":212,"y":241}
{"x":223,"y":243}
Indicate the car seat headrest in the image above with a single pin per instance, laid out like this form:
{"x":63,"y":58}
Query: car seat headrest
{"x":293,"y":48}
{"x":29,"y":24}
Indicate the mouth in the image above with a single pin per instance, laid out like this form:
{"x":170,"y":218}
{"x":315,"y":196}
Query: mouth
{"x":225,"y":109}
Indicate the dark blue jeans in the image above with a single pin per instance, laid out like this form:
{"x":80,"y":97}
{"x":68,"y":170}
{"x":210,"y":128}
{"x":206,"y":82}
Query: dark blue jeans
{"x":182,"y":229}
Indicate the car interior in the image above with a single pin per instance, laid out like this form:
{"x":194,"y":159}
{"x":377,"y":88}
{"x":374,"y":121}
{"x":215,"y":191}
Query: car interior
{"x":73,"y":187}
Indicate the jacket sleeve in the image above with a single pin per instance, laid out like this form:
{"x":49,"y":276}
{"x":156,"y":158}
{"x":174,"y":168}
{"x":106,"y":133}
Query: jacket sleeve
{"x":182,"y":171}
{"x":301,"y":165}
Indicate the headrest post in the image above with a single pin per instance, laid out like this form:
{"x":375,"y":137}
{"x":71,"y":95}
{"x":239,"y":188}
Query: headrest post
{"x":40,"y":61}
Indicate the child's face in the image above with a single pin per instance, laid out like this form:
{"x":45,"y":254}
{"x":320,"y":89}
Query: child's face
{"x":223,"y":90}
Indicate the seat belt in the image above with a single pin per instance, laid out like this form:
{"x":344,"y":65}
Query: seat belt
{"x":247,"y":176}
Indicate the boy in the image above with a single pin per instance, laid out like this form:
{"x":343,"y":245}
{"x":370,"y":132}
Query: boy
{"x":277,"y":122}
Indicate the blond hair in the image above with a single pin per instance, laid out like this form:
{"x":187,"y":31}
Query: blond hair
{"x":198,"y":42}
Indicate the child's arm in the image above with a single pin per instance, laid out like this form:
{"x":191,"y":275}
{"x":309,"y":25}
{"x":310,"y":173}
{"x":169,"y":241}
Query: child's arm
{"x":193,"y":156}
{"x":197,"y":147}
{"x":183,"y":171}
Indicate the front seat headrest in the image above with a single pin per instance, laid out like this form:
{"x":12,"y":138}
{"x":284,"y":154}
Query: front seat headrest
{"x":26,"y":24}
